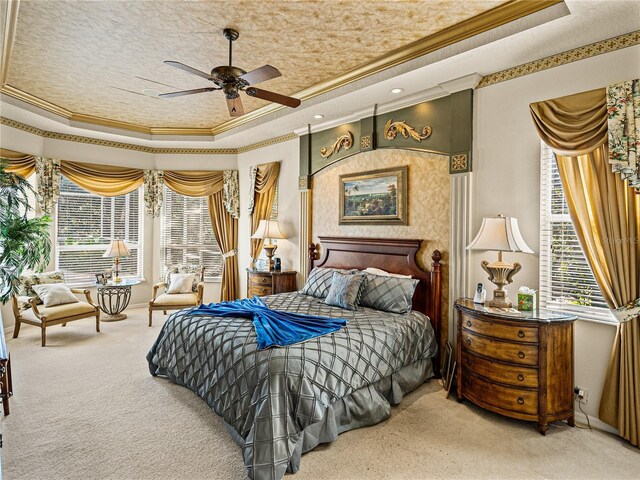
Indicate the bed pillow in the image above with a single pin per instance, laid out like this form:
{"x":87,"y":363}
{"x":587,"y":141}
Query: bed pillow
{"x":389,"y":294}
{"x":383,"y":273}
{"x":319,"y":281}
{"x":181,"y":283}
{"x":344,"y":290}
{"x":53,"y":294}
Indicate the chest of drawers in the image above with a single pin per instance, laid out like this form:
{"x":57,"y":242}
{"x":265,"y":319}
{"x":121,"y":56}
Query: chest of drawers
{"x":519,"y":366}
{"x":263,"y":283}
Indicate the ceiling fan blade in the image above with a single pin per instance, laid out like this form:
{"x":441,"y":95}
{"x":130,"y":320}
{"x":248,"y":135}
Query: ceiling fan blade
{"x":262,"y":74}
{"x":235,"y":107}
{"x":188,"y":69}
{"x":187,"y":92}
{"x":273,"y":97}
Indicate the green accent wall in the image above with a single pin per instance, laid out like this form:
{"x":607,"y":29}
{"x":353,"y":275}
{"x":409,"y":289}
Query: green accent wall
{"x":450,"y":119}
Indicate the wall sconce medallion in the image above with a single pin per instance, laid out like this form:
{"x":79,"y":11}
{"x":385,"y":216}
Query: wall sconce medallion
{"x":345,"y":141}
{"x":391,"y":130}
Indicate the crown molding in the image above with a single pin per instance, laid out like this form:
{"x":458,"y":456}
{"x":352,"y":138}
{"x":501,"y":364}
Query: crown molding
{"x":563,"y":58}
{"x":142,"y":148}
{"x":493,"y":18}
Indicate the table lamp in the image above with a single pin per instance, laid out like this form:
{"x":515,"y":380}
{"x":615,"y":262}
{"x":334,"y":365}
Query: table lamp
{"x":268,"y":229}
{"x":117,"y":249}
{"x":500,"y":234}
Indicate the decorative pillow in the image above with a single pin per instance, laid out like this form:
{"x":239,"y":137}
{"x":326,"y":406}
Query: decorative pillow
{"x":389,"y":294}
{"x":344,"y":290}
{"x":26,"y":283}
{"x":181,"y":283}
{"x":383,"y":273}
{"x":319,"y":281}
{"x":195,"y":269}
{"x":53,"y":294}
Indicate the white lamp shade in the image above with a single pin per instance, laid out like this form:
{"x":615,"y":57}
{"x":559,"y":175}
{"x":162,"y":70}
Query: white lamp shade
{"x":500,"y":234}
{"x":268,"y":229}
{"x":117,"y":248}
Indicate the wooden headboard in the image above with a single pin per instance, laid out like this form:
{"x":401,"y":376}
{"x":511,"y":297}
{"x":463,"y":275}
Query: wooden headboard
{"x":392,"y":255}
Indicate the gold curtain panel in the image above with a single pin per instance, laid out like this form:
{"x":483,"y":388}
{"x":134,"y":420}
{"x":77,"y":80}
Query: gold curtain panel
{"x":21,"y":164}
{"x":572,"y":125}
{"x":104,"y":180}
{"x":194,"y":183}
{"x":265,"y":193}
{"x":225,"y":229}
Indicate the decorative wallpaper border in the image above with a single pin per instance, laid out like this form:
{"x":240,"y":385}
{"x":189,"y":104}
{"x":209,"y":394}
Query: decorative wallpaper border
{"x":141,"y":148}
{"x":580,"y":53}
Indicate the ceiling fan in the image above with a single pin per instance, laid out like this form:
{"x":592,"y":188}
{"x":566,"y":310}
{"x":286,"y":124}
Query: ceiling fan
{"x":231,"y":80}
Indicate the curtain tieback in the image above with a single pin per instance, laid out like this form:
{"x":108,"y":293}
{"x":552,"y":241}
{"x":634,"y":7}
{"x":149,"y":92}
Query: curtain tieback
{"x":627,"y":312}
{"x":230,"y":253}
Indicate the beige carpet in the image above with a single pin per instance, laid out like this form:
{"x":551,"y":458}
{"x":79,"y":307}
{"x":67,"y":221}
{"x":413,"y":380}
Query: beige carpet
{"x":85,"y":407}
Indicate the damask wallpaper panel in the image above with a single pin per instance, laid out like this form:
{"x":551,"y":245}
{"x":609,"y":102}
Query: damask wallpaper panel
{"x":428,"y":209}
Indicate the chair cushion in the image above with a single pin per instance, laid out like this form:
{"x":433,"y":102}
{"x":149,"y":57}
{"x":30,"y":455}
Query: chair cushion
{"x":181,"y":283}
{"x":196,"y":269}
{"x":55,"y":294}
{"x":26,"y":282}
{"x":176,"y":299}
{"x":59,"y":311}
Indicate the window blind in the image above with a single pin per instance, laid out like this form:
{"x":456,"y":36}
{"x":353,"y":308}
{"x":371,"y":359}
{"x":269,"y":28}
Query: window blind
{"x":566,"y":280}
{"x":86,"y":224}
{"x":186,"y":234}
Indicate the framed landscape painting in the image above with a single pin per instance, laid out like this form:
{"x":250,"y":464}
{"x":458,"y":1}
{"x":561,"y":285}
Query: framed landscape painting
{"x":378,"y":197}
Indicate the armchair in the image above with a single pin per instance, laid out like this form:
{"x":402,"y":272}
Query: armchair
{"x":177,"y":301}
{"x":40,"y":316}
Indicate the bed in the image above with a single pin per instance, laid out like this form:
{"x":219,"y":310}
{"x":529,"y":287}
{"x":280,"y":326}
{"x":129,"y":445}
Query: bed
{"x":281,"y":402}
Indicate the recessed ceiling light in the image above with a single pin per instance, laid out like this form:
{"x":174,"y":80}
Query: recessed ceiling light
{"x":397,"y":90}
{"x":318,"y":116}
{"x":150,"y":92}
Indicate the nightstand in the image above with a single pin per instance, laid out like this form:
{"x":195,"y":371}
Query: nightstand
{"x":517,"y":364}
{"x":264,"y":282}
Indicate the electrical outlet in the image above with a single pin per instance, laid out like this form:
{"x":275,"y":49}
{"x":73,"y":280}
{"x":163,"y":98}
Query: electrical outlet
{"x":581,"y":394}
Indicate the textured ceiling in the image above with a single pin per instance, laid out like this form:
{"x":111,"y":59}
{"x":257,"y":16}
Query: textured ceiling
{"x":85,"y":55}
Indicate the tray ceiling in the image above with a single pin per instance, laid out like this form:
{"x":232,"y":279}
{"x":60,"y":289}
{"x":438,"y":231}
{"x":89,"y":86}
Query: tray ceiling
{"x":96,"y":57}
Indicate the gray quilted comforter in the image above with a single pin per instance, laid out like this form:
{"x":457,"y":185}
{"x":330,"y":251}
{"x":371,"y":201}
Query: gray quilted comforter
{"x":274,"y":400}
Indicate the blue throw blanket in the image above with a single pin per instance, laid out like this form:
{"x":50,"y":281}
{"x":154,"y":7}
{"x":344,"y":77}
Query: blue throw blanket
{"x":274,"y":327}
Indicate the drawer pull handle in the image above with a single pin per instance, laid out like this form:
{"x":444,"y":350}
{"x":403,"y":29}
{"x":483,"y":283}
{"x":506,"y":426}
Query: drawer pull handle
{"x":521,"y":354}
{"x":520,"y":400}
{"x":468,"y":341}
{"x":468,"y":323}
{"x":520,"y":334}
{"x":521,"y":377}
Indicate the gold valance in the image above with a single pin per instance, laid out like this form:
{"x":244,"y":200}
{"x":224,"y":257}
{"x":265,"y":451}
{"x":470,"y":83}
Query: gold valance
{"x":266,"y":176}
{"x":194,"y":183}
{"x":104,"y":180}
{"x":572,"y":125}
{"x":21,"y":164}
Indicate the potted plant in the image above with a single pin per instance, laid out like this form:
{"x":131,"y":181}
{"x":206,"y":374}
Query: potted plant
{"x":25,"y":243}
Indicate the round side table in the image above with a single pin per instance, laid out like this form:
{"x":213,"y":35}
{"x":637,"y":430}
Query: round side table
{"x":113,"y":298}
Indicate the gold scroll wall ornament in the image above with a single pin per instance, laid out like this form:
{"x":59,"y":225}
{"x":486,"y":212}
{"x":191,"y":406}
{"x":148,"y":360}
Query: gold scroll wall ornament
{"x":391,"y":130}
{"x":344,"y":141}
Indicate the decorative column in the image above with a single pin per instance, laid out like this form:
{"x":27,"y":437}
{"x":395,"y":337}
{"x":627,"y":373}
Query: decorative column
{"x":304,"y":185}
{"x":461,"y":176}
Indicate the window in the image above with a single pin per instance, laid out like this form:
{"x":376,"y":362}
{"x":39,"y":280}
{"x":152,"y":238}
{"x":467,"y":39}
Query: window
{"x":566,"y":280}
{"x":86,"y":224}
{"x":186,"y":234}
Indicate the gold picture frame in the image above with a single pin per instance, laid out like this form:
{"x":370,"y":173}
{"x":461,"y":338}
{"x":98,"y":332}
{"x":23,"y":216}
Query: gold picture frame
{"x":377,"y":197}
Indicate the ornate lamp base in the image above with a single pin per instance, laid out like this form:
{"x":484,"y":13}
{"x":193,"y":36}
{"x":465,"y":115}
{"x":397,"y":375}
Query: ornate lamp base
{"x":500,"y":273}
{"x":270,"y":250}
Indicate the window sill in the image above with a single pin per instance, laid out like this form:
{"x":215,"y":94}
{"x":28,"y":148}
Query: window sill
{"x":586,"y":314}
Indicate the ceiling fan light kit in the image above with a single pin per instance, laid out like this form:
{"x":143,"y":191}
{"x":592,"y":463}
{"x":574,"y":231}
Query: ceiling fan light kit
{"x":232,"y":80}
